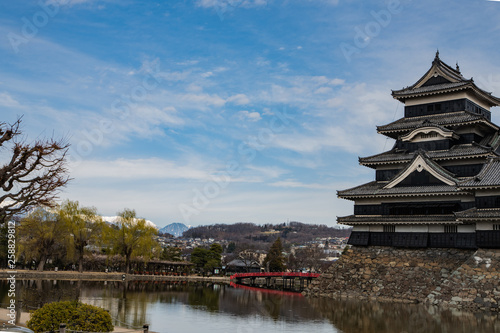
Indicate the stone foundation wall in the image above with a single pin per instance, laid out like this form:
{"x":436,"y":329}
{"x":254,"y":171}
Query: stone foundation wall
{"x":463,"y":278}
{"x":475,"y":284}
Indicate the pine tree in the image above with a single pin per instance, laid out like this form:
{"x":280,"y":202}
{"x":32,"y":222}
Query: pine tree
{"x":275,"y":261}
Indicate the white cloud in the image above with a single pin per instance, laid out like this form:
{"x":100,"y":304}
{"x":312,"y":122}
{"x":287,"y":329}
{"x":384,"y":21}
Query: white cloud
{"x":250,"y":116}
{"x":238,"y":99}
{"x":7,"y":100}
{"x":204,"y":99}
{"x":337,"y":82}
{"x":268,"y":172}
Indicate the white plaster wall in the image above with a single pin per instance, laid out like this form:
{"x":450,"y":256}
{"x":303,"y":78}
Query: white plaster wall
{"x":412,"y":228}
{"x":376,"y":228}
{"x":436,"y":228}
{"x":361,"y":228}
{"x":466,"y":228}
{"x":484,"y":226}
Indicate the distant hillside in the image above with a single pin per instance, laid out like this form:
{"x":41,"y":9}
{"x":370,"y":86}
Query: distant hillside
{"x":293,"y":232}
{"x":175,"y":229}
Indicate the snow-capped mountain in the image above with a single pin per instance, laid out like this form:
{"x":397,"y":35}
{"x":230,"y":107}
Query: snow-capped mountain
{"x":175,"y":229}
{"x":115,"y":219}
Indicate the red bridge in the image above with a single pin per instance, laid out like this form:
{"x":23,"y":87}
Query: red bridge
{"x":270,"y":280}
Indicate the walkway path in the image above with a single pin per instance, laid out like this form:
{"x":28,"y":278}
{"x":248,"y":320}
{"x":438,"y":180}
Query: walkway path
{"x":102,"y":276}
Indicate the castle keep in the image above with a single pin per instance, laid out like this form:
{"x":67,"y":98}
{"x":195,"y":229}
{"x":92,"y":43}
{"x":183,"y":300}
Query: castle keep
{"x":439,"y":185}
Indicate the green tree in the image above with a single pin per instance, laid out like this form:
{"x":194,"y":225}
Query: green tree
{"x":132,"y":237}
{"x":231,"y":247}
{"x":199,"y":258}
{"x":214,"y":256}
{"x":275,"y":261}
{"x":41,"y":236}
{"x":84,"y":227}
{"x":206,"y":260}
{"x":171,"y":253}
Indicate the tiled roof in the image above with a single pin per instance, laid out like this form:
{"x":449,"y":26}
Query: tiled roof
{"x":375,"y":188}
{"x":432,"y":88}
{"x":443,"y":119}
{"x":453,"y":81}
{"x":397,"y":219}
{"x":474,"y":213}
{"x":488,"y":177}
{"x":458,"y":151}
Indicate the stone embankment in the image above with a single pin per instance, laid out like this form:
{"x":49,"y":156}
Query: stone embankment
{"x":101,"y":276}
{"x":462,"y":278}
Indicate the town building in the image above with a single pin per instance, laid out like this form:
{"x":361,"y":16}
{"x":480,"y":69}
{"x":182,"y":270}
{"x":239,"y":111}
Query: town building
{"x":439,"y":185}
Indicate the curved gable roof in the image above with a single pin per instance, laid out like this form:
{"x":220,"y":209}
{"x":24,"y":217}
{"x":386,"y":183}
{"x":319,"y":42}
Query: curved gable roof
{"x":419,"y":163}
{"x":430,"y":128}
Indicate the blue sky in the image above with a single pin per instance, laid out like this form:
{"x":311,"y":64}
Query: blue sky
{"x":222,"y":111}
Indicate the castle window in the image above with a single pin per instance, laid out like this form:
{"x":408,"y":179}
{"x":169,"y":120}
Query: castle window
{"x":389,"y":228}
{"x":450,"y":229}
{"x":429,"y":135}
{"x":496,"y":226}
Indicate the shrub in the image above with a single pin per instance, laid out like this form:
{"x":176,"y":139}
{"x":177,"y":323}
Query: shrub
{"x":76,"y":315}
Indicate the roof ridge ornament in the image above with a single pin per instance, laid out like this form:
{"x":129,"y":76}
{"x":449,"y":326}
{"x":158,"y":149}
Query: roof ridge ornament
{"x":437,"y":55}
{"x":458,"y":67}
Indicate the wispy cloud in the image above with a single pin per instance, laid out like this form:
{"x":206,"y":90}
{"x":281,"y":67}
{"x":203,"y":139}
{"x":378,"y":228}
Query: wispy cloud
{"x":7,"y":100}
{"x":290,"y":183}
{"x":231,"y":3}
{"x":151,"y":168}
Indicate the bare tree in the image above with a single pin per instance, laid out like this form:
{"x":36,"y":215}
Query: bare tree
{"x":32,"y":173}
{"x":309,"y":258}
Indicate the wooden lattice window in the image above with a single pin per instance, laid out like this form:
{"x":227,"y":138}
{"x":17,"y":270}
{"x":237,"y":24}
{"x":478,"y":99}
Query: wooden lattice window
{"x":496,"y":226}
{"x":389,"y":228}
{"x":450,"y":229}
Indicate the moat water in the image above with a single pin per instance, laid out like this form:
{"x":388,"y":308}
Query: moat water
{"x":186,"y":308}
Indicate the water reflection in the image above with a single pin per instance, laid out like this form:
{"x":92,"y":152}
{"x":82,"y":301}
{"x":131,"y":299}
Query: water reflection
{"x":355,"y":316}
{"x":183,"y":307}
